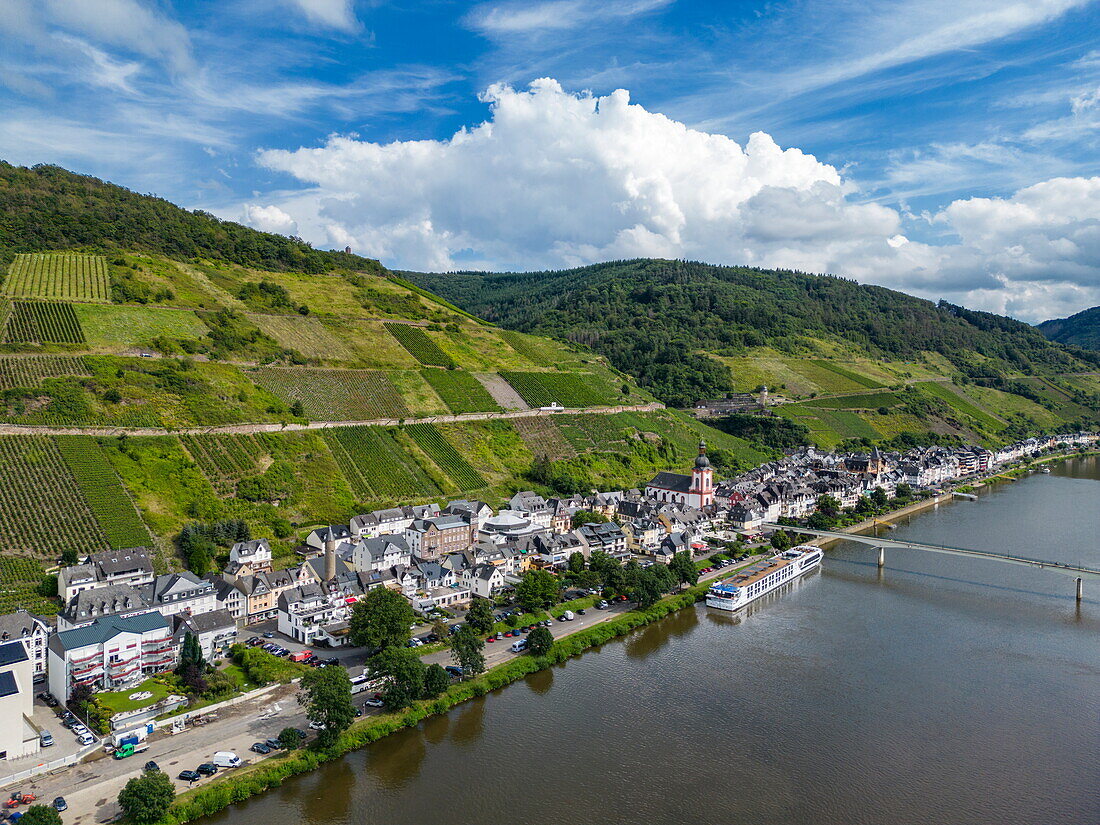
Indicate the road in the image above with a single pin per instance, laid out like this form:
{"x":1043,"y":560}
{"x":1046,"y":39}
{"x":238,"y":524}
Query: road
{"x":91,"y":788}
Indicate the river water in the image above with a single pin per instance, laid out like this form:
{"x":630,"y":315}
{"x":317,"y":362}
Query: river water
{"x":939,"y":690}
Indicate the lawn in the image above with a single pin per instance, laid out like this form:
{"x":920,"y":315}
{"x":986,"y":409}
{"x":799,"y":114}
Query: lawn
{"x":119,"y":701}
{"x":119,"y":327}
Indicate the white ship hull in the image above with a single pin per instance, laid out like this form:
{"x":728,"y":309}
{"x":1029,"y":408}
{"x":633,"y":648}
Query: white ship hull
{"x":743,"y":590}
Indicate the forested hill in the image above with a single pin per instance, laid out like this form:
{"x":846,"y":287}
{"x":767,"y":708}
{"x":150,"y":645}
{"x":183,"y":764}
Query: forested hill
{"x":47,"y":208}
{"x":1082,"y":329}
{"x":670,"y":323}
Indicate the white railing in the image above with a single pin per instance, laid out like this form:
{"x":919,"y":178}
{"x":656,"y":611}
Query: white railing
{"x":46,"y":767}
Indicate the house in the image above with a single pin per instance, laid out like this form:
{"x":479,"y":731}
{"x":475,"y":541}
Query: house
{"x":672,"y":544}
{"x":18,"y":734}
{"x":531,"y":502}
{"x":510,"y":524}
{"x":381,"y":553}
{"x":228,"y":596}
{"x":607,"y":537}
{"x":696,"y":490}
{"x":215,"y":631}
{"x":111,"y":653}
{"x":315,"y":541}
{"x":485,"y":580}
{"x":183,"y":593}
{"x":261,"y":593}
{"x":439,"y":597}
{"x":304,"y":611}
{"x":250,"y":557}
{"x":100,"y":602}
{"x":33,"y":632}
{"x":643,"y":535}
{"x":431,"y":538}
{"x":132,"y":566}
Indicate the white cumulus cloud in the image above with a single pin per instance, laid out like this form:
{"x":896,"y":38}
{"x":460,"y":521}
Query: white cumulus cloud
{"x":554,"y":179}
{"x":270,"y":219}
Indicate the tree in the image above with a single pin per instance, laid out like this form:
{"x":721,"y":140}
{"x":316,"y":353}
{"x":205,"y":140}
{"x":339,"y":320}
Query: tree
{"x":296,"y":409}
{"x":588,"y":517}
{"x":290,"y":738}
{"x":467,"y":651}
{"x":665,"y":578}
{"x":538,"y":590}
{"x":576,"y":562}
{"x":646,"y":590}
{"x":879,"y":497}
{"x":864,"y":505}
{"x":146,"y":798}
{"x":903,"y":491}
{"x":683,"y":568}
{"x":440,"y":629}
{"x":326,"y":695}
{"x":828,"y":506}
{"x":480,"y":616}
{"x":192,"y":665}
{"x":820,"y":521}
{"x":436,"y":680}
{"x":69,"y":557}
{"x":381,"y":619}
{"x":41,"y":815}
{"x":406,"y":672}
{"x":781,"y":541}
{"x":602,"y":562}
{"x":539,"y":641}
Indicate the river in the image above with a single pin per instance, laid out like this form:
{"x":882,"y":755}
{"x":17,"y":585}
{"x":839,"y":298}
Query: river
{"x":939,"y":690}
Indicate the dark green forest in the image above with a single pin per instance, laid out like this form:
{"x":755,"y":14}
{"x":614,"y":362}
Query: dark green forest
{"x":1080,"y":330}
{"x":652,"y":318}
{"x":47,"y":208}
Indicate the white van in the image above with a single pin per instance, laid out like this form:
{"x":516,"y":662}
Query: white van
{"x":519,"y":646}
{"x":568,"y":614}
{"x":226,"y":759}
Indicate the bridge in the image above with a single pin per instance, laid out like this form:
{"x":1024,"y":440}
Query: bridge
{"x":1077,"y":572}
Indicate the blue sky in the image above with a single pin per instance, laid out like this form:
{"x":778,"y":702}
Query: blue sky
{"x":947,"y":148}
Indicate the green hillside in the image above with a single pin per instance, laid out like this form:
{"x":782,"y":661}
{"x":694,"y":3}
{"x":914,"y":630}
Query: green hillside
{"x":1080,"y":330}
{"x":850,"y":363}
{"x":129,"y":327}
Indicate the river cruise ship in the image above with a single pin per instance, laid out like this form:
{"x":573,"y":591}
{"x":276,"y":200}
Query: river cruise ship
{"x":763,"y":577}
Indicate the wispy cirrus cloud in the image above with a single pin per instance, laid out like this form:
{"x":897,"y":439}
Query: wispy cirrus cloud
{"x":514,"y":17}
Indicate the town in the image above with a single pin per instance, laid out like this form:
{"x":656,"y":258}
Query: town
{"x":99,"y":671}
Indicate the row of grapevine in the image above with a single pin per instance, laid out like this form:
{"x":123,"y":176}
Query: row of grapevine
{"x":419,"y":345}
{"x":541,"y":389}
{"x":543,"y":437}
{"x":225,"y":459}
{"x":103,"y":491}
{"x":525,"y":346}
{"x":333,"y":394}
{"x":443,"y":453}
{"x":460,"y":391}
{"x":67,"y":276}
{"x":29,"y":370}
{"x":42,"y":510}
{"x":40,"y":322}
{"x":375,"y":465}
{"x":593,"y":432}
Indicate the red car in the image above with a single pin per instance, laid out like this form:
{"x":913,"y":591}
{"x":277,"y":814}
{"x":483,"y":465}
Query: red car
{"x":491,"y":639}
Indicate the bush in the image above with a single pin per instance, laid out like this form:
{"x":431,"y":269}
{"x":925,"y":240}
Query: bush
{"x":146,"y":798}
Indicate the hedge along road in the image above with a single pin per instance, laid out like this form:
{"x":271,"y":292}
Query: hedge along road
{"x":250,"y":429}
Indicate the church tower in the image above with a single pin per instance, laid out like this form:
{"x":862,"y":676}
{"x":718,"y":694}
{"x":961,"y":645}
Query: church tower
{"x":702,"y":480}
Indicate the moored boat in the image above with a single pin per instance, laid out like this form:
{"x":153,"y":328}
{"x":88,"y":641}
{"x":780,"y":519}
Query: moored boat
{"x":763,"y":577}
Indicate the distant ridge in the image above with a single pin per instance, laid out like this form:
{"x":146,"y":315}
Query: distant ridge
{"x":1081,"y":330}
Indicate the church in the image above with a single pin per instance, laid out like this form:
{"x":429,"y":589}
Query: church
{"x":695,"y":490}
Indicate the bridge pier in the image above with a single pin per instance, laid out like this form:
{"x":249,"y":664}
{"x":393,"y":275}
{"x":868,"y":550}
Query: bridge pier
{"x":1080,"y":588}
{"x":882,"y":557}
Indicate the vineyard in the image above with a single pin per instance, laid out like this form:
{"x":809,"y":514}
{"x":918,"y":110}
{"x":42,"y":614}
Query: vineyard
{"x":42,"y":323}
{"x":541,"y":389}
{"x":28,"y":371}
{"x":226,"y":459}
{"x":594,"y":432}
{"x":419,"y":345}
{"x":335,"y":395}
{"x":42,"y":510}
{"x":65,"y":276}
{"x":443,"y":453}
{"x":460,"y":391}
{"x":375,"y":465}
{"x":103,"y":491}
{"x":19,"y":580}
{"x":525,"y":347}
{"x":543,"y":437}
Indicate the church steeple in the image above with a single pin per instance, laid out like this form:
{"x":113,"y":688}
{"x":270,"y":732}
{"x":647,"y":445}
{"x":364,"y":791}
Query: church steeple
{"x":702,"y":477}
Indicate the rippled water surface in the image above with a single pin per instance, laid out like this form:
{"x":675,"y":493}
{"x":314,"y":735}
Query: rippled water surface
{"x":939,"y":690}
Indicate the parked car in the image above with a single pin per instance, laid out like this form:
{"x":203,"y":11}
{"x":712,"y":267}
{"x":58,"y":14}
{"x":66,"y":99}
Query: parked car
{"x":274,"y":744}
{"x":454,"y":670}
{"x":316,"y":726}
{"x":48,"y":699}
{"x":269,"y":635}
{"x":374,"y":703}
{"x":331,"y":661}
{"x":86,"y":739}
{"x":45,"y":739}
{"x":207,"y":769}
{"x":491,"y":639}
{"x":580,"y":611}
{"x":260,"y":748}
{"x":602,"y":605}
{"x":59,"y":804}
{"x":500,"y":634}
{"x":252,"y":641}
{"x":151,"y":767}
{"x":79,"y":729}
{"x":189,"y":776}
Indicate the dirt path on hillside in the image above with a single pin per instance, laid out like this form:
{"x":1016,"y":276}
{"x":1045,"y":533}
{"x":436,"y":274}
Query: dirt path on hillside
{"x":251,"y":429}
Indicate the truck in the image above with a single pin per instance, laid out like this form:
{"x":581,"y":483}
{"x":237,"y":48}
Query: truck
{"x":226,"y":759}
{"x":302,"y":656}
{"x":129,"y":749}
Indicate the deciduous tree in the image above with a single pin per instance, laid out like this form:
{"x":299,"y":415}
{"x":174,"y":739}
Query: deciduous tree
{"x":538,"y":590}
{"x":41,"y":815}
{"x":480,"y":615}
{"x":406,"y":671}
{"x":146,"y":798}
{"x":539,"y":641}
{"x":326,"y":695}
{"x":683,"y":568}
{"x":381,"y":619}
{"x":467,"y":651}
{"x":436,"y":681}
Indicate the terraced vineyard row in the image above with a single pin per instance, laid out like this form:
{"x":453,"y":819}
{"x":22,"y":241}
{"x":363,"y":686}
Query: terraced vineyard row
{"x":42,"y":509}
{"x":419,"y":345}
{"x":28,"y":371}
{"x":19,"y":580}
{"x":102,"y":489}
{"x":59,"y":275}
{"x":226,"y":459}
{"x":543,"y":437}
{"x":541,"y":389}
{"x":460,"y":391}
{"x":524,"y":347}
{"x":40,"y":322}
{"x":375,"y":465}
{"x":335,"y":395}
{"x":593,"y":432}
{"x":443,"y":453}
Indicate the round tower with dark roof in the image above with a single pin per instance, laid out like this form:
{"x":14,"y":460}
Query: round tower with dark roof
{"x":702,"y":479}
